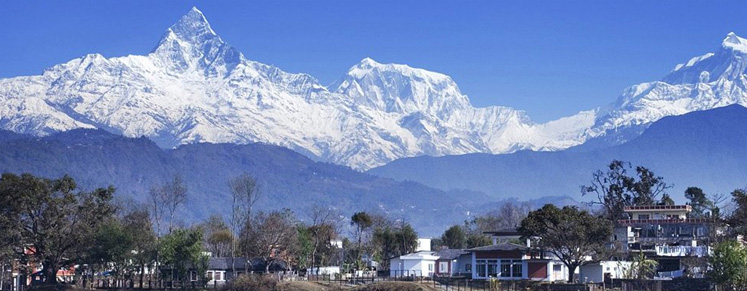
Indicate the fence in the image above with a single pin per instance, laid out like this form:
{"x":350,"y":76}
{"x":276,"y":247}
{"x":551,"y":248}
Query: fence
{"x":441,"y":283}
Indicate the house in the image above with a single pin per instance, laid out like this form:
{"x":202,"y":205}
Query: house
{"x":508,"y":258}
{"x":667,"y":234}
{"x":600,"y":271}
{"x":453,"y":262}
{"x":328,"y":270}
{"x":506,"y":235}
{"x":221,"y":269}
{"x":509,"y":261}
{"x":418,"y":264}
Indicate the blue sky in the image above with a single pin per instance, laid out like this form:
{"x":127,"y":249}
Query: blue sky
{"x":549,"y":58}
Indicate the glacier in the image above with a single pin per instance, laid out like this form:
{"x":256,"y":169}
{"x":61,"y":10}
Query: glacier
{"x":194,"y":87}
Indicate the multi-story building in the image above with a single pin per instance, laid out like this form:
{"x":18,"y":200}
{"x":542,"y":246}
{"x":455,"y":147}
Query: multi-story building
{"x":666,"y":234}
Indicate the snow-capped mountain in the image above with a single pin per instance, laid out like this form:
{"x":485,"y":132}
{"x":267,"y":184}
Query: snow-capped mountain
{"x":194,"y":87}
{"x":709,"y":81}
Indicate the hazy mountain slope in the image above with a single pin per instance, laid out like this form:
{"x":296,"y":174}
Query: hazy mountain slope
{"x":96,"y":158}
{"x":705,"y":149}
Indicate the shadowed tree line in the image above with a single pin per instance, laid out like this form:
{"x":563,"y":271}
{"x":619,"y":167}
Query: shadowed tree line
{"x":53,"y":225}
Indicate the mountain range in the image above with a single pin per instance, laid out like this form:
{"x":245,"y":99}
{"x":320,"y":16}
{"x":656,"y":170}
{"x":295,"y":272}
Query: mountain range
{"x":706,"y":149}
{"x":194,"y":87}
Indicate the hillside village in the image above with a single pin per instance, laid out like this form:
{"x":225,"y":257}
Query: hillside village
{"x":633,"y":233}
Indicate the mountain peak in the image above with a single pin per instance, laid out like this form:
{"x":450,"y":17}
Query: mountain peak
{"x":368,"y":62}
{"x":193,"y":26}
{"x":734,"y":42}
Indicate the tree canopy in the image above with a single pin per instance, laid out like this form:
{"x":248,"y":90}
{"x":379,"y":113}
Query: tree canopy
{"x":738,"y":218}
{"x":569,"y":233}
{"x":729,"y":265}
{"x":52,"y":217}
{"x":454,"y":237}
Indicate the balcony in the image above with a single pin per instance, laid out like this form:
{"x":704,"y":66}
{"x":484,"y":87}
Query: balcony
{"x":628,"y":222}
{"x":687,"y":208}
{"x":683,"y":251}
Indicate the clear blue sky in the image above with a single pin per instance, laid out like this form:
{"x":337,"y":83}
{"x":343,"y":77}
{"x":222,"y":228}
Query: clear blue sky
{"x":550,"y":58}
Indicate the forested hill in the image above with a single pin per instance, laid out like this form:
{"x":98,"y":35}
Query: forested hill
{"x":96,"y":158}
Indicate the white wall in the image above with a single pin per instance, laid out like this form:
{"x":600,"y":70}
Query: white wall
{"x":323,"y":270}
{"x":594,"y":272}
{"x":399,"y":267}
{"x":424,"y":245}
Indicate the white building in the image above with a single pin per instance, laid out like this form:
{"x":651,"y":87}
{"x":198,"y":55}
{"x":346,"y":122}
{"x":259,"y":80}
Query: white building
{"x":329,"y":270}
{"x":420,"y":264}
{"x":596,"y":272}
{"x":424,"y":245}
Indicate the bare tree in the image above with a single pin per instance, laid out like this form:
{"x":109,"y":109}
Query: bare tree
{"x":217,"y":237}
{"x":157,"y":202}
{"x":164,"y":198}
{"x":244,"y":194}
{"x":622,"y":185}
{"x":270,"y":235}
{"x":174,"y":194}
{"x":323,"y":229}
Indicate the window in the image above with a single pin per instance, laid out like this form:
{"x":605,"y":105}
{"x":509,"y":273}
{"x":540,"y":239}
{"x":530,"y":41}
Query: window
{"x":430,"y":267}
{"x":701,"y":231}
{"x":468,"y":268}
{"x":218,"y":276}
{"x":511,"y":268}
{"x":210,"y":275}
{"x":192,"y":275}
{"x":492,"y":268}
{"x":516,"y":269}
{"x":643,"y":216}
{"x":481,"y":268}
{"x":505,"y":268}
{"x":443,"y":267}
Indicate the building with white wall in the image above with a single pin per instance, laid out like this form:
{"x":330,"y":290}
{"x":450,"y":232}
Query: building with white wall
{"x":419,"y":264}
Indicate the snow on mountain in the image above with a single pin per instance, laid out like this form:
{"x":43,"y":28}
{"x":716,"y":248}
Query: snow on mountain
{"x":709,"y":81}
{"x":194,"y":87}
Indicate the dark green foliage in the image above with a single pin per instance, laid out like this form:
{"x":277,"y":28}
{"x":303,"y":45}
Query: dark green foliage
{"x":569,"y":233}
{"x":181,"y":249}
{"x":305,"y":247}
{"x":738,"y":218}
{"x":702,"y":206}
{"x":394,"y":240}
{"x":55,"y":220}
{"x":138,"y":226}
{"x":362,"y":222}
{"x":666,"y":200}
{"x":729,"y":265}
{"x":454,"y":238}
{"x":112,"y":247}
